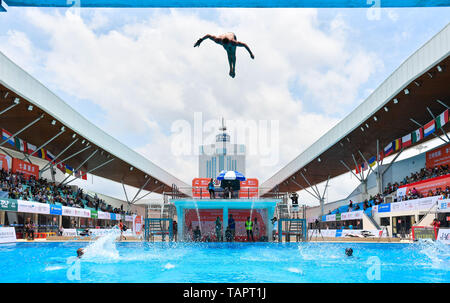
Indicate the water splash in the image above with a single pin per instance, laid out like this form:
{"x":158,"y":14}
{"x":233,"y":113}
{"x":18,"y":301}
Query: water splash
{"x":103,"y":249}
{"x":52,"y":268}
{"x":295,"y":270}
{"x":436,"y":252}
{"x":169,"y":266}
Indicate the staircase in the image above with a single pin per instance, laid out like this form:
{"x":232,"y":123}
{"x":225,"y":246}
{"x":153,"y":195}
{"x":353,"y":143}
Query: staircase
{"x":296,"y":228}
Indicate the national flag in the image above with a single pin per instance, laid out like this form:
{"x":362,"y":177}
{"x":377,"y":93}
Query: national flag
{"x":406,"y":140}
{"x":358,"y":169}
{"x":442,"y":119}
{"x":380,"y":156}
{"x":6,"y":135}
{"x":20,"y":144}
{"x":417,"y":135}
{"x":429,"y":128}
{"x":397,"y":144}
{"x":388,"y":149}
{"x":31,"y":148}
{"x":83,"y":175}
{"x":49,"y":156}
{"x":61,"y":167}
{"x":372,"y":161}
{"x":41,"y":153}
{"x":69,"y":170}
{"x":364,"y":166}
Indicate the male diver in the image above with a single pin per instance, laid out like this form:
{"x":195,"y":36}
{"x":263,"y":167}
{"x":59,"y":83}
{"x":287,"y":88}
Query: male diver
{"x":229,"y":43}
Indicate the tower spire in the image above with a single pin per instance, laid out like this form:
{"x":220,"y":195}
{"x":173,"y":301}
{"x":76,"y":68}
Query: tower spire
{"x":223,"y":128}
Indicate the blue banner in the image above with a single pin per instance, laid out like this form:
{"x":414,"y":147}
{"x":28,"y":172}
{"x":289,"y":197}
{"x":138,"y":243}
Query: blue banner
{"x":338,"y":233}
{"x":384,"y":208}
{"x":228,"y":3}
{"x":55,"y":210}
{"x":113,"y":216}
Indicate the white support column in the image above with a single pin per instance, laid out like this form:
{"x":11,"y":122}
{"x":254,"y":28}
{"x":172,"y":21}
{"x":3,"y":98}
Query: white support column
{"x":2,"y":217}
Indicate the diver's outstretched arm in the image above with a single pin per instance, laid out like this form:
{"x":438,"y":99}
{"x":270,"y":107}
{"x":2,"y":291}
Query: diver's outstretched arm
{"x":246,"y":47}
{"x":208,"y":36}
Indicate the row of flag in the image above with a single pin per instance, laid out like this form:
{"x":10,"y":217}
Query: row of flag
{"x":407,"y":140}
{"x":41,"y":153}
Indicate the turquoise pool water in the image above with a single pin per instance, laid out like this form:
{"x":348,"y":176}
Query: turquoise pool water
{"x":106,"y":261}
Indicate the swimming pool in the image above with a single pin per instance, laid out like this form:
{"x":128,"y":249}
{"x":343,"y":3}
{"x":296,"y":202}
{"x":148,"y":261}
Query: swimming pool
{"x":225,"y":262}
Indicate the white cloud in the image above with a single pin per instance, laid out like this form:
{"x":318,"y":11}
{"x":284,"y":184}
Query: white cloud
{"x":147,"y":74}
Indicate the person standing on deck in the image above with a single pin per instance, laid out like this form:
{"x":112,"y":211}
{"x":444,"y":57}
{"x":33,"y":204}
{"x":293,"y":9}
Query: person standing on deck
{"x":249,"y":228}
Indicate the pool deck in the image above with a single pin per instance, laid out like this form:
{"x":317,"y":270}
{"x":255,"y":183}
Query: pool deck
{"x":323,"y":240}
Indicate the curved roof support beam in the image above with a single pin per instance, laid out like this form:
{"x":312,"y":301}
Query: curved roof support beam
{"x":149,"y":193}
{"x":434,"y":118}
{"x":9,"y":107}
{"x":140,"y":189}
{"x":23,"y":129}
{"x":91,"y":170}
{"x":79,"y":166}
{"x":43,"y":145}
{"x":58,"y":155}
{"x":69,"y":157}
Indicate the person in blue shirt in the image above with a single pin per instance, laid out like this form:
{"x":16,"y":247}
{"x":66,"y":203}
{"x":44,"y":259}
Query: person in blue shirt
{"x":211,"y":189}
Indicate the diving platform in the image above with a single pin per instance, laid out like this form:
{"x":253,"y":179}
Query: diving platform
{"x":199,"y":216}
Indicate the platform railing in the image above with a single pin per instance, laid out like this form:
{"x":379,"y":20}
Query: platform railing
{"x":202,"y":192}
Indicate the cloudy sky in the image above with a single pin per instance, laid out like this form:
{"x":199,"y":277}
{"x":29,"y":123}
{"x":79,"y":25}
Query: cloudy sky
{"x":134,"y":72}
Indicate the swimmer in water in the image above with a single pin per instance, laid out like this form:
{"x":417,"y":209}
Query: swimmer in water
{"x":229,"y":43}
{"x":80,"y":253}
{"x":349,"y":252}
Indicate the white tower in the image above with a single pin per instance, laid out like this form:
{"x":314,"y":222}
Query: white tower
{"x":222,"y":155}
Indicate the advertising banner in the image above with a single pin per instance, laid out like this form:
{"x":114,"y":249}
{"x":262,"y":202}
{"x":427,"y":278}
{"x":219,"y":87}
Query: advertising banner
{"x":444,"y":206}
{"x":249,"y":187}
{"x":104,"y":232}
{"x":103,"y":215}
{"x":353,"y":215}
{"x":128,"y":218}
{"x":438,"y":156}
{"x":28,"y":169}
{"x":333,"y":233}
{"x":7,"y":235}
{"x":6,"y":162}
{"x":33,"y":207}
{"x":112,"y":216}
{"x":55,"y":210}
{"x":430,"y":184}
{"x":94,"y":214}
{"x":8,"y":204}
{"x":330,"y":218}
{"x":423,"y":204}
{"x":76,"y":212}
{"x":70,"y":232}
{"x":444,"y":235}
{"x":137,"y":224}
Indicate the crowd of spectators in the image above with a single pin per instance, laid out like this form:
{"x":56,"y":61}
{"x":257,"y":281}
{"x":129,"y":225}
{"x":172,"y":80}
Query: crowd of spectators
{"x":41,"y":190}
{"x":423,"y":174}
